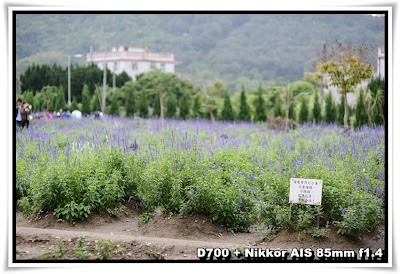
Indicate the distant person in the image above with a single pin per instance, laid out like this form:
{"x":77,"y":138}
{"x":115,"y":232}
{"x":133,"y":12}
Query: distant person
{"x":76,"y":114}
{"x":18,"y":112}
{"x":67,"y":114}
{"x":48,"y":115}
{"x":26,"y":111}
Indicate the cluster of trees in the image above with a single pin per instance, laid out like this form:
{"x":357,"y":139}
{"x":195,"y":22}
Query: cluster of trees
{"x":38,"y":76}
{"x":165,"y":95}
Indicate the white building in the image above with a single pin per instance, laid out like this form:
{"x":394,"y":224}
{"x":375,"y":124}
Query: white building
{"x":133,"y":60}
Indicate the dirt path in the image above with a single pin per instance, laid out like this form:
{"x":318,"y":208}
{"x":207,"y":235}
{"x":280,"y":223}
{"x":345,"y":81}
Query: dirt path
{"x":164,"y":237}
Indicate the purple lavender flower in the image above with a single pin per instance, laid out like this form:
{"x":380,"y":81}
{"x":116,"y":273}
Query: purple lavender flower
{"x":379,"y":192}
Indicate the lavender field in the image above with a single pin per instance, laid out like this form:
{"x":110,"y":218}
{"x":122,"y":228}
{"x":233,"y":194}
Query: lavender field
{"x":236,"y":173}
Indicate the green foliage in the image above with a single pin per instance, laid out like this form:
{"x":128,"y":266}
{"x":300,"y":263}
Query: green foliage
{"x":345,"y":71}
{"x":28,"y":97}
{"x":227,"y":113}
{"x":86,"y":100}
{"x":278,"y":108}
{"x":130,"y":102}
{"x":318,"y":232}
{"x":113,"y":212}
{"x":144,"y":218}
{"x":317,"y":117}
{"x":113,"y":109}
{"x":340,"y":112}
{"x":171,"y":106}
{"x":143,"y":105}
{"x":292,"y":112}
{"x":259,"y":103}
{"x":330,"y":109}
{"x":197,"y":106}
{"x":25,"y":206}
{"x":361,"y":113}
{"x":238,"y":176}
{"x":302,"y":87}
{"x":377,"y":88}
{"x":303,"y":114}
{"x":184,"y":105}
{"x":244,"y":111}
{"x":73,"y":211}
{"x":95,"y":103}
{"x":74,"y":104}
{"x":215,"y":41}
{"x":48,"y":93}
{"x":157,"y":108}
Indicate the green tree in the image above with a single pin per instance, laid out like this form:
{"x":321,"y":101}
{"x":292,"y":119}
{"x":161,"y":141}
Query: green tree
{"x":259,"y":104}
{"x":38,"y":102}
{"x":171,"y":106}
{"x":292,"y":112}
{"x":197,"y":106}
{"x":74,"y":104}
{"x":114,"y":106}
{"x":361,"y":112}
{"x":143,"y":105}
{"x":244,"y":111}
{"x":48,"y":94}
{"x":86,"y":100}
{"x":157,"y":107}
{"x":340,"y":112}
{"x":227,"y":113}
{"x":130,"y":101}
{"x":330,"y":109}
{"x":303,"y":114}
{"x":316,"y":111}
{"x":184,"y":106}
{"x":345,"y":72}
{"x":278,"y":109}
{"x":377,"y":88}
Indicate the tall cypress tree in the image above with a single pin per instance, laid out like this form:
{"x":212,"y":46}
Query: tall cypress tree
{"x":196,"y":108}
{"x":227,"y":113}
{"x":340,"y":113}
{"x":361,"y":112}
{"x":114,"y":107}
{"x":303,"y":115}
{"x":143,"y":105}
{"x":157,"y":107}
{"x":244,"y":111}
{"x":292,"y":112}
{"x":259,"y":103}
{"x":85,"y":100}
{"x":130,"y":102}
{"x":184,"y":106}
{"x":278,"y":108}
{"x":316,"y":109}
{"x":330,"y":109}
{"x":74,"y":104}
{"x":171,"y":106}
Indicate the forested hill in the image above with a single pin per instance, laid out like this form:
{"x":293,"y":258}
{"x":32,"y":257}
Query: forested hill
{"x":232,"y":47}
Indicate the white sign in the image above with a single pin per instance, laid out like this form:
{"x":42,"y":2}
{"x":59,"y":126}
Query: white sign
{"x":305,"y":191}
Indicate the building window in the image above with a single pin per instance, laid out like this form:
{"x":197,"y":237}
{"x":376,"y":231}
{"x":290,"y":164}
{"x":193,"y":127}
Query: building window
{"x":152,"y":65}
{"x":134,"y":66}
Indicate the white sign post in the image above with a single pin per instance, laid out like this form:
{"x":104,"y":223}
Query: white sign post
{"x":305,"y":191}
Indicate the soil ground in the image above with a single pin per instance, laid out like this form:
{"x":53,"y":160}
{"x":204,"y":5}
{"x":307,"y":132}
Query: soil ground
{"x":163,"y":238}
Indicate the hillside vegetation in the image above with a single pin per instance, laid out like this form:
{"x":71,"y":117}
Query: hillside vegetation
{"x":231,"y":47}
